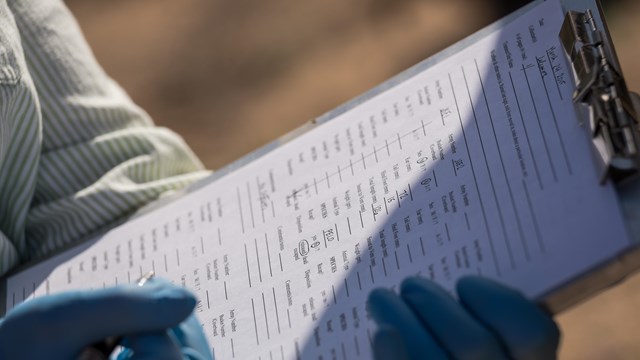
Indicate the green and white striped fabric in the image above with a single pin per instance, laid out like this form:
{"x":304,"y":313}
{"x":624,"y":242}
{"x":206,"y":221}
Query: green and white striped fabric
{"x":76,"y":155}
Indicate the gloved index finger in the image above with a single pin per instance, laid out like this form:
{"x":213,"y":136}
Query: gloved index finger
{"x":73,"y":320}
{"x":389,"y":310}
{"x":457,"y":331}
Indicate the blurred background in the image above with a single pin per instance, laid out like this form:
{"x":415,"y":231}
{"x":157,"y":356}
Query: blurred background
{"x":230,"y":76}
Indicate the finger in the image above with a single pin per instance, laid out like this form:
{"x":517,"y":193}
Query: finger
{"x":460,"y":334}
{"x":389,"y":310}
{"x":124,"y":354}
{"x":193,"y":343}
{"x":387,"y":344}
{"x":526,"y":331}
{"x":72,"y":320}
{"x":150,"y":346}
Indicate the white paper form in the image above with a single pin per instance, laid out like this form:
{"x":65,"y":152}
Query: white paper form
{"x":476,"y":165}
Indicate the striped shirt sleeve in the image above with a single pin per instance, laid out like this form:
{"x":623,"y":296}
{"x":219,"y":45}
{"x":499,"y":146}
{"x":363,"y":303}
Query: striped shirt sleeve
{"x":99,"y":157}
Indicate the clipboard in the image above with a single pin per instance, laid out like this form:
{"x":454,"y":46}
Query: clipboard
{"x":609,"y":117}
{"x":585,"y":31}
{"x":612,"y":124}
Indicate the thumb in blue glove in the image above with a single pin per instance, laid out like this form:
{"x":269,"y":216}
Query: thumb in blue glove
{"x":490,"y":321}
{"x":185,"y":341}
{"x":60,"y":326}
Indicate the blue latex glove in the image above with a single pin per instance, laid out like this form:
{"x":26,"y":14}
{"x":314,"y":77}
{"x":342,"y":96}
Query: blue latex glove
{"x":489,"y":321}
{"x":60,"y":326}
{"x":185,"y":341}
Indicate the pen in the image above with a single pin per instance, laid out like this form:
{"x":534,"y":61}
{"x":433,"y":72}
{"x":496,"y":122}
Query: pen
{"x":103,"y":349}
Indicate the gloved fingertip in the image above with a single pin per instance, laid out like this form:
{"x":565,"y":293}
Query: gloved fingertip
{"x":470,"y":283}
{"x":170,"y":298}
{"x":388,"y":344}
{"x":410,"y":284}
{"x":377,"y":295}
{"x":525,"y":328}
{"x":378,"y":301}
{"x":417,"y":288}
{"x":389,"y":309}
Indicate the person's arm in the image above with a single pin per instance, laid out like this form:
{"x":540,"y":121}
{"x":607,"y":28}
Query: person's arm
{"x":76,"y":154}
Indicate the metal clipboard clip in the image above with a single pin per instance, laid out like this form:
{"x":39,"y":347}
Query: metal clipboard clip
{"x":601,"y":96}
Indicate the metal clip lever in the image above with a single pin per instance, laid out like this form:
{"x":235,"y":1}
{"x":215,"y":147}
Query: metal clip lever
{"x":602,"y":95}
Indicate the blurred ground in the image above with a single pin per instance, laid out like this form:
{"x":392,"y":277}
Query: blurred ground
{"x":230,"y":76}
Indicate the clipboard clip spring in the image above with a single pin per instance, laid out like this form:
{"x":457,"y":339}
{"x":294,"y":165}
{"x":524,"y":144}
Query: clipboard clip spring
{"x":602,"y":95}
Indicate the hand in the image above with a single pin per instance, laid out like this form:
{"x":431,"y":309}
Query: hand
{"x":489,"y":321}
{"x":60,"y":326}
{"x":183,"y":341}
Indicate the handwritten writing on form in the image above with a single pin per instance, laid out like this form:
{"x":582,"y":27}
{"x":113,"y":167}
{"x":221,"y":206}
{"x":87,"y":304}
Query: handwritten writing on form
{"x":476,"y":165}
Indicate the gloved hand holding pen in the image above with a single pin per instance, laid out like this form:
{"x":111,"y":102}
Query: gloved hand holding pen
{"x":155,"y":320}
{"x":489,"y":321}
